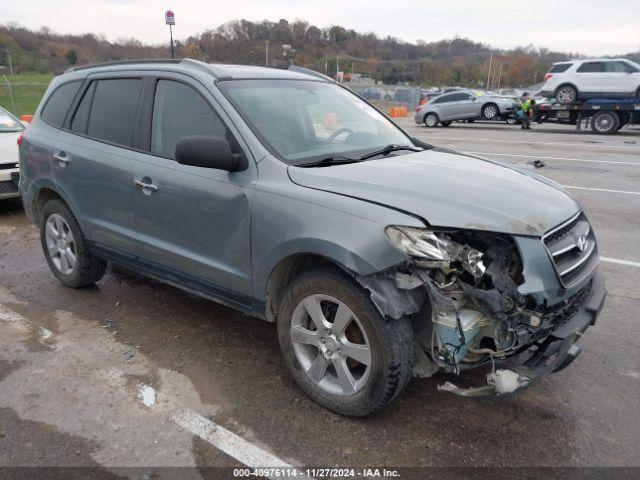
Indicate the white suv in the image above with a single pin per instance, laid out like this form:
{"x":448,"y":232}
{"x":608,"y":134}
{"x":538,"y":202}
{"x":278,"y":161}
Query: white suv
{"x":581,"y":79}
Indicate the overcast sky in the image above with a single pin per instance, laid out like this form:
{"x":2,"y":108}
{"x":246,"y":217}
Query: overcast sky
{"x":593,"y":27}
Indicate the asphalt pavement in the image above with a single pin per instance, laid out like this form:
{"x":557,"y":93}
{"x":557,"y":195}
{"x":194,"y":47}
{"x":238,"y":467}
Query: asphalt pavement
{"x":134,"y":373}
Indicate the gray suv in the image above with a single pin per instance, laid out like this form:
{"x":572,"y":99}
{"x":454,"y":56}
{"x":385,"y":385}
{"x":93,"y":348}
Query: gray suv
{"x":286,"y":196}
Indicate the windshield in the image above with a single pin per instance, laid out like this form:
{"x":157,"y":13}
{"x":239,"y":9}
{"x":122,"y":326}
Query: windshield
{"x":302,"y":121}
{"x":9,"y":123}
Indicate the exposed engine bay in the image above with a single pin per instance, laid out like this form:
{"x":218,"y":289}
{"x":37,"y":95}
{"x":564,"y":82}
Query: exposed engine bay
{"x":465,"y":303}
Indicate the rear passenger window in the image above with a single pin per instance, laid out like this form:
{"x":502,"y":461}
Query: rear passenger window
{"x":560,"y":67}
{"x":444,"y":99}
{"x":458,"y":97}
{"x":591,"y":67}
{"x":179,"y":111}
{"x":80,"y":119}
{"x":113,"y":110}
{"x":57,"y":106}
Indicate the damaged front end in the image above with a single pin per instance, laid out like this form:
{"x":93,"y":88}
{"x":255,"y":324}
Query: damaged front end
{"x":472,"y":306}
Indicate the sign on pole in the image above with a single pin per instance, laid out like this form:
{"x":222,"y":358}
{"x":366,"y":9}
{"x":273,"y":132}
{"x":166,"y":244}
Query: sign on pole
{"x":170,"y":19}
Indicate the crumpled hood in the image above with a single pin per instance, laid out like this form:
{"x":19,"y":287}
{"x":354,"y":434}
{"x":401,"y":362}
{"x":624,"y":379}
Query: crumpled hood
{"x":448,"y":189}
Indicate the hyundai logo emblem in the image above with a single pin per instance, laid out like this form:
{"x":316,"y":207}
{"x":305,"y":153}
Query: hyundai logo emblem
{"x":583,"y":243}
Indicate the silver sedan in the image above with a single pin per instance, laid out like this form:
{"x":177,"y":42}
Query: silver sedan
{"x":464,"y":105}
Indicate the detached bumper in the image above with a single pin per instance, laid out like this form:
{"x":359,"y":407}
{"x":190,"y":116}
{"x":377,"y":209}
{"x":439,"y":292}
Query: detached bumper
{"x":555,"y":353}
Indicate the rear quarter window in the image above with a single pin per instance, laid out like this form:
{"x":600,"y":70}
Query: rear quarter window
{"x":560,"y":67}
{"x":59,"y":102}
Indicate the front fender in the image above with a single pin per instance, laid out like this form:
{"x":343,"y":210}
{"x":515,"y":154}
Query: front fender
{"x":343,"y":257}
{"x":347,"y":231}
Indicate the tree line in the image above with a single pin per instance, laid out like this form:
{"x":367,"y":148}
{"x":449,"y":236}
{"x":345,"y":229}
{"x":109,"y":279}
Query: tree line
{"x":457,"y":61}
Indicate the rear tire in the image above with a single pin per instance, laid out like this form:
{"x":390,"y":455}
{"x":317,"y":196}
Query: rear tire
{"x":605,"y":122}
{"x":66,"y":248}
{"x":329,"y":292}
{"x":566,"y":94}
{"x":431,"y":120}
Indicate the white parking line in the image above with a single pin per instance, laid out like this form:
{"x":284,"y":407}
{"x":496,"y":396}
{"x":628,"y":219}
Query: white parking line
{"x":628,"y":263}
{"x":232,"y":444}
{"x":556,"y":144}
{"x":554,"y":158}
{"x":602,"y":190}
{"x":224,"y":440}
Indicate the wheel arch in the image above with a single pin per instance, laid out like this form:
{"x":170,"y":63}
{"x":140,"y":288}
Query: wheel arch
{"x":272,"y":278}
{"x":567,"y":84}
{"x":44,"y":193}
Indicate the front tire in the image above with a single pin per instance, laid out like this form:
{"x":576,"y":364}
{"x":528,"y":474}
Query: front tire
{"x":339,"y":349}
{"x":490,"y":111}
{"x":66,"y":248}
{"x":431,"y":120}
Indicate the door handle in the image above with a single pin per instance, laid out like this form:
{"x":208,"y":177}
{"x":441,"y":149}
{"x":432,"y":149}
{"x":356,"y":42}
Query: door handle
{"x":147,"y":187}
{"x":62,"y":158}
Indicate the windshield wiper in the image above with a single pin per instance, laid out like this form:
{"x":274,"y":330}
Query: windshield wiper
{"x":388,"y":149}
{"x":326,"y":162}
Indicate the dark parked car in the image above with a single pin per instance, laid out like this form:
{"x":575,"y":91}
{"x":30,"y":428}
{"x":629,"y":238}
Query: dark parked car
{"x":286,"y":196}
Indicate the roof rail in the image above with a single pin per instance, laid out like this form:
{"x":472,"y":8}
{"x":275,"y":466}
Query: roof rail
{"x":205,"y":67}
{"x":210,"y":69}
{"x":123,"y":62}
{"x":312,"y":73}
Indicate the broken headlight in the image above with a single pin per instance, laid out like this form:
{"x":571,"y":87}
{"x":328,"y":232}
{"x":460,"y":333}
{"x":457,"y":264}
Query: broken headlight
{"x":428,"y":245}
{"x":418,"y":242}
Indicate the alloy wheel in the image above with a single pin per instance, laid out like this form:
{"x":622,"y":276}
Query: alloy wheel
{"x":331,"y":345}
{"x":60,"y":244}
{"x":566,"y":95}
{"x":490,"y":112}
{"x":431,"y":120}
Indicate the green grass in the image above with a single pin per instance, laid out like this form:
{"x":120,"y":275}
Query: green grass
{"x":27,"y":92}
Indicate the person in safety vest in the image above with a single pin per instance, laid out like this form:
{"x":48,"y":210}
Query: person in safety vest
{"x":526,"y":107}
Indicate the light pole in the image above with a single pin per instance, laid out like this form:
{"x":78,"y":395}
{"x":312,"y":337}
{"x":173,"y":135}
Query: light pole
{"x":489,"y":74}
{"x":286,"y":49}
{"x":266,"y":53}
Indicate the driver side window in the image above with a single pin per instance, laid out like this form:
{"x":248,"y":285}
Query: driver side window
{"x":180,"y":111}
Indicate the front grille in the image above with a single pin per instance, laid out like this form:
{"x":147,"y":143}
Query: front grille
{"x":572,"y":247}
{"x":8,"y":187}
{"x":559,"y":314}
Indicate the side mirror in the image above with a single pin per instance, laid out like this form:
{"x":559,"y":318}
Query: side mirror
{"x":209,"y":152}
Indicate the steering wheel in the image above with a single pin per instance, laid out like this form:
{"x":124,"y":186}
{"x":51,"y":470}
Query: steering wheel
{"x":339,"y":132}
